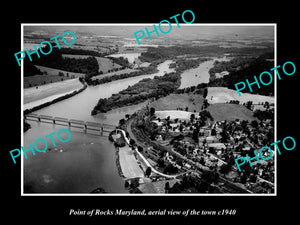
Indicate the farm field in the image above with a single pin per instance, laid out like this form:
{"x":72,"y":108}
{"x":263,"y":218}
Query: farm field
{"x":223,"y":95}
{"x":175,"y":101}
{"x":219,"y":111}
{"x":230,"y":112}
{"x":52,"y":71}
{"x":128,"y":163}
{"x":38,"y":80}
{"x":51,"y":76}
{"x":47,"y":90}
{"x":130,"y":56}
{"x":105,"y":64}
{"x":173,"y":114}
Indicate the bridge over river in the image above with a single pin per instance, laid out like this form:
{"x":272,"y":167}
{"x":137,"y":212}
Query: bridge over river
{"x":85,"y":125}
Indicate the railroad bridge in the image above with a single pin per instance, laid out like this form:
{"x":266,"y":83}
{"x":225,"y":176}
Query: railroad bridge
{"x":101,"y":127}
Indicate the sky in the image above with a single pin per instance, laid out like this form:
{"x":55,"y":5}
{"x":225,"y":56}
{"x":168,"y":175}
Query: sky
{"x":185,"y":32}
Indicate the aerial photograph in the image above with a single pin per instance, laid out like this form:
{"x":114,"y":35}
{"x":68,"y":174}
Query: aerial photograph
{"x":161,"y":116}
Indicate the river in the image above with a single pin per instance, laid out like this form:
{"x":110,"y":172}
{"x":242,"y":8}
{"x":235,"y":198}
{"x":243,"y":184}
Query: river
{"x":195,"y":76}
{"x":87,"y":161}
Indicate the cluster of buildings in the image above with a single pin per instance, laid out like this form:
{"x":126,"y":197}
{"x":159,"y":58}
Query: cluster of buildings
{"x":215,"y":146}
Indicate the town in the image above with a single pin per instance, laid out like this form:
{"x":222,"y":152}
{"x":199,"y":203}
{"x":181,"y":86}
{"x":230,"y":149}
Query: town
{"x":163,"y":117}
{"x":198,"y":153}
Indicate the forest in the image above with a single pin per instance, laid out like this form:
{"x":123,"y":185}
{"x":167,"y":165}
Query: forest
{"x":139,"y":92}
{"x":55,"y":60}
{"x":205,"y":51}
{"x":241,"y":69}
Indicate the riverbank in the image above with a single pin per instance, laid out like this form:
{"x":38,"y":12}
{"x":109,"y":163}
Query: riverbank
{"x":56,"y":97}
{"x":44,"y":91}
{"x":126,"y":161}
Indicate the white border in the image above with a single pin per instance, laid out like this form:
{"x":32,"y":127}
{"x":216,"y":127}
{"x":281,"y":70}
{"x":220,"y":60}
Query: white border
{"x":148,"y":24}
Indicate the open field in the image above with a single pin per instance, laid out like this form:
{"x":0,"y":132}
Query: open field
{"x":52,"y":71}
{"x":219,"y":111}
{"x":38,"y":80}
{"x":229,"y":112}
{"x":130,"y":56}
{"x":223,"y":95}
{"x":173,"y":114}
{"x":175,"y":101}
{"x":75,"y":56}
{"x":48,"y":90}
{"x":50,"y":76}
{"x":128,"y":163}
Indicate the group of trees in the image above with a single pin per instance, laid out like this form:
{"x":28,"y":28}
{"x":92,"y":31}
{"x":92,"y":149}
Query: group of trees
{"x":120,"y":61}
{"x":146,"y":70}
{"x":182,"y":64}
{"x":264,"y":114}
{"x":145,"y":89}
{"x":252,"y":68}
{"x":205,"y":51}
{"x":57,"y":61}
{"x":233,"y":65}
{"x":194,"y":184}
{"x":199,"y":89}
{"x":79,"y":51}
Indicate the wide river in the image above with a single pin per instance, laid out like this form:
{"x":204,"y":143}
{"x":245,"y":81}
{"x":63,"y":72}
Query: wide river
{"x":87,"y":161}
{"x":195,"y":76}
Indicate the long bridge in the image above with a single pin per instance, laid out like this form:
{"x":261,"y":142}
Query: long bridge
{"x":85,"y":125}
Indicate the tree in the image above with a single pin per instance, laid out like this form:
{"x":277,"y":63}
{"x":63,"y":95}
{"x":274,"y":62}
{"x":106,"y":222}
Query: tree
{"x":140,"y":149}
{"x":170,"y":169}
{"x":267,"y":105}
{"x":213,"y":132}
{"x":61,"y":74}
{"x":249,"y":105}
{"x":121,"y":122}
{"x":224,"y":136}
{"x":132,"y":142}
{"x":152,"y":111}
{"x":254,"y":123}
{"x":205,"y":103}
{"x":192,"y":118}
{"x":196,"y":135}
{"x":205,"y":93}
{"x":225,"y":168}
{"x":126,"y":184}
{"x":134,"y":183}
{"x":148,"y":171}
{"x":161,"y":162}
{"x":167,"y":187}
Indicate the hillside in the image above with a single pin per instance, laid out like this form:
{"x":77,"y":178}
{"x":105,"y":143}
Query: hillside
{"x":229,"y":112}
{"x":240,"y":71}
{"x":179,"y":101}
{"x":223,"y":95}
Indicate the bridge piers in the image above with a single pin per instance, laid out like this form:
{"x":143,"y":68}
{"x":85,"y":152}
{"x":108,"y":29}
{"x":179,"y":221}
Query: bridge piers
{"x":85,"y":125}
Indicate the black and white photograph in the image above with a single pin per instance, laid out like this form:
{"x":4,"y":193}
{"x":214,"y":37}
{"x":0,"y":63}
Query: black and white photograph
{"x":146,"y":113}
{"x":162,"y":116}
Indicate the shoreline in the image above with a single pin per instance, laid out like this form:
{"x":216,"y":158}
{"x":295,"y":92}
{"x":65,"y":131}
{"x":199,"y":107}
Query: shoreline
{"x":52,"y":100}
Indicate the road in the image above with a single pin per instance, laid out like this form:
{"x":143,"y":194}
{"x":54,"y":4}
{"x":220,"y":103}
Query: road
{"x":230,"y":185}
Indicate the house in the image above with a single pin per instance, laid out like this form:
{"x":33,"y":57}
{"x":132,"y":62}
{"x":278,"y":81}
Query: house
{"x":211,"y":139}
{"x":188,"y":166}
{"x":217,"y":145}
